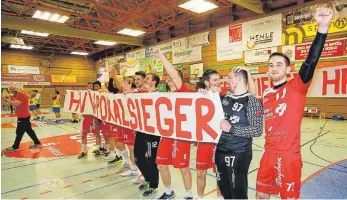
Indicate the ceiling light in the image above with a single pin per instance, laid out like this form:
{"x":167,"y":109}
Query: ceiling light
{"x":131,"y":32}
{"x":15,"y":46}
{"x":198,"y":6}
{"x":107,"y":43}
{"x":79,"y":53}
{"x":34,"y":33}
{"x":53,"y":17}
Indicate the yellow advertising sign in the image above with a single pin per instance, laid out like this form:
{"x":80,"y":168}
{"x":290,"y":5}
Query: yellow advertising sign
{"x":63,"y":78}
{"x":299,"y":25}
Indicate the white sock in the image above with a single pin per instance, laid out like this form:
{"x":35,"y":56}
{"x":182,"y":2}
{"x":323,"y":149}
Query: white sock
{"x":200,"y":197}
{"x":189,"y":193}
{"x":168,"y":190}
{"x":118,"y":153}
{"x":220,"y":197}
{"x":133,"y":167}
{"x":84,"y":148}
{"x":125,"y":155}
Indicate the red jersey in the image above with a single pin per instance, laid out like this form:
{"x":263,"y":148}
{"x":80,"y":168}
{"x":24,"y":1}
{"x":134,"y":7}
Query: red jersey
{"x":283,"y":112}
{"x":22,"y":111}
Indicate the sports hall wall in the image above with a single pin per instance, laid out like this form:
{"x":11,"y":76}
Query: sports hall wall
{"x":69,"y":72}
{"x":284,"y":39}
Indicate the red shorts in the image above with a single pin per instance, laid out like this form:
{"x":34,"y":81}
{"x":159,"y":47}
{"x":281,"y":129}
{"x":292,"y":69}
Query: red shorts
{"x":111,"y":131}
{"x":128,"y":136}
{"x":173,"y":152}
{"x":90,"y":124}
{"x":205,"y":155}
{"x":280,"y":173}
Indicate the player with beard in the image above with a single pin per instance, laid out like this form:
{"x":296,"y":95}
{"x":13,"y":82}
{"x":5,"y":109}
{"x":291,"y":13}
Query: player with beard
{"x":146,"y":146}
{"x":210,"y":81}
{"x":171,"y":151}
{"x":280,"y":165}
{"x":243,"y":121}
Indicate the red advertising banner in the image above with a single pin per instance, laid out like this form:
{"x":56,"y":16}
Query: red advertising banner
{"x":25,"y":79}
{"x":235,"y":33}
{"x":332,"y":48}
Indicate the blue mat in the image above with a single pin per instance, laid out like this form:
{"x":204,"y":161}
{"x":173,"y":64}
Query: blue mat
{"x":327,"y":184}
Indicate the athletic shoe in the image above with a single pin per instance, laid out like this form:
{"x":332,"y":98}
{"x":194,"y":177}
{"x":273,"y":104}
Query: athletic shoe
{"x":11,"y":149}
{"x":81,"y":155}
{"x":144,"y":186}
{"x":188,"y":197}
{"x":149,"y":192}
{"x":35,"y":146}
{"x":117,"y":160}
{"x":124,"y":168}
{"x":96,"y":152}
{"x":168,"y":196}
{"x":139,"y":179}
{"x":129,"y":173}
{"x":110,"y":156}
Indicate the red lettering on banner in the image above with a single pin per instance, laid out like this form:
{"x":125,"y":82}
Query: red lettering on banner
{"x":118,"y":120}
{"x":132,"y":114}
{"x":84,"y":101}
{"x":167,"y":121}
{"x":144,"y":103}
{"x":92,"y":102}
{"x":335,"y":82}
{"x":109,"y":111}
{"x":74,"y":101}
{"x":103,"y":108}
{"x":125,"y":122}
{"x":203,"y":120}
{"x":344,"y":81}
{"x":181,"y":118}
{"x":138,"y":113}
{"x":97,"y":104}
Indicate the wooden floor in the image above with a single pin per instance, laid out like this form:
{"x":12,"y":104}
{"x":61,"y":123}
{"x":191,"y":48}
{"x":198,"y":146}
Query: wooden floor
{"x":324,"y":154}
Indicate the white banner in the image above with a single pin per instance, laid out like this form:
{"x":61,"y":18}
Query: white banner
{"x":110,"y":62}
{"x":194,"y":117}
{"x":327,"y":82}
{"x":258,"y":55}
{"x":182,"y":53}
{"x":199,"y":39}
{"x":164,"y":48}
{"x":229,"y":43}
{"x":135,"y":55}
{"x":262,"y":33}
{"x":16,"y":69}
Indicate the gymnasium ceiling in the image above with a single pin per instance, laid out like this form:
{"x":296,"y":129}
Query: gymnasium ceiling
{"x":91,"y":20}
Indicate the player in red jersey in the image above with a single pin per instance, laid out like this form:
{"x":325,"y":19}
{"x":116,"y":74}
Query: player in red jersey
{"x":280,"y":166}
{"x":210,"y":81}
{"x":86,"y":127}
{"x":171,"y":151}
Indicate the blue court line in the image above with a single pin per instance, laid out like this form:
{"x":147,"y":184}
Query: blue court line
{"x":13,"y":162}
{"x":35,"y":163}
{"x":86,"y":172}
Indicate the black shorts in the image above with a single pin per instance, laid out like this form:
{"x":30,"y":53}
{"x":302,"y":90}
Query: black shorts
{"x":37,"y":106}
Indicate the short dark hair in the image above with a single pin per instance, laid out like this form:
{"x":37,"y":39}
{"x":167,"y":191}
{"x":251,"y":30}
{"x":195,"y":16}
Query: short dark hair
{"x":90,"y":83}
{"x":97,"y":83}
{"x":57,"y":92}
{"x":141,"y":73}
{"x":155,"y":78}
{"x":206,"y":77}
{"x":243,"y":74}
{"x":35,"y":91}
{"x":286,"y":59}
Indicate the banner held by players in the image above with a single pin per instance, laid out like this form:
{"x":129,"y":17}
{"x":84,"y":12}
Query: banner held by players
{"x":184,"y":116}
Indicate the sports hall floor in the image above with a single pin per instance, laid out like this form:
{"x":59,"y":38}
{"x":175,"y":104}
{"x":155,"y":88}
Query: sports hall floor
{"x":324,"y":153}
